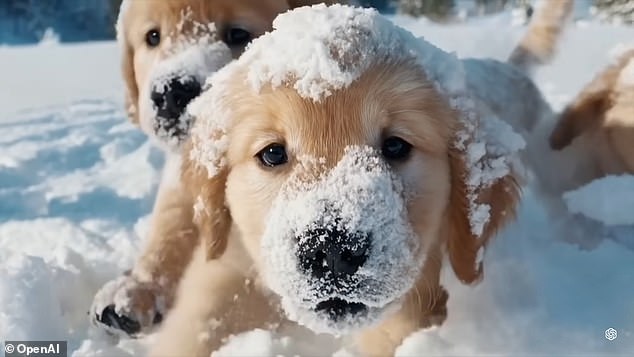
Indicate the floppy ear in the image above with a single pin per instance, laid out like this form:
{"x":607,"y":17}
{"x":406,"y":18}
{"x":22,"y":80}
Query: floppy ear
{"x":463,"y":245}
{"x":129,"y":77}
{"x":211,"y":215}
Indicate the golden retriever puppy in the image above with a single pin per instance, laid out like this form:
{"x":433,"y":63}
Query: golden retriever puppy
{"x":592,"y":138}
{"x":601,"y":119}
{"x":339,"y":161}
{"x":168,"y":50}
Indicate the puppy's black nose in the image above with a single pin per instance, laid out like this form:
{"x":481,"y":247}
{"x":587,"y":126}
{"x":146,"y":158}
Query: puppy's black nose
{"x":332,"y":252}
{"x":129,"y":325}
{"x":171,"y":98}
{"x":110,"y":318}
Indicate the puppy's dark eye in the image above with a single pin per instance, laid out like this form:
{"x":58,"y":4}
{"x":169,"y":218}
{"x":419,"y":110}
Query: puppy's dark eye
{"x":153,"y":38}
{"x":236,"y":36}
{"x":273,"y":155}
{"x":395,"y":148}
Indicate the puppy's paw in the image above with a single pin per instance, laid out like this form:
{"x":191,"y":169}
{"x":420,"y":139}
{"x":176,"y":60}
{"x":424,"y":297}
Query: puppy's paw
{"x":127,"y":307}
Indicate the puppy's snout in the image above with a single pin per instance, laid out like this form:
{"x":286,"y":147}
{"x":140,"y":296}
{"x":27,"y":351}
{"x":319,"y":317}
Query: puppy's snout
{"x":333,"y":253}
{"x":171,"y":98}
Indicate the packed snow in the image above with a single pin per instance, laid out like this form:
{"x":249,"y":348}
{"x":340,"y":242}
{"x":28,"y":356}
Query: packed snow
{"x":77,"y":183}
{"x":609,"y":200}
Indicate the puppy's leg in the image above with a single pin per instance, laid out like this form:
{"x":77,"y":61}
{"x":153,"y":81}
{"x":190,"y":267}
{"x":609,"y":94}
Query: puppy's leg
{"x":424,"y":306}
{"x":215,"y":300}
{"x":136,"y":301}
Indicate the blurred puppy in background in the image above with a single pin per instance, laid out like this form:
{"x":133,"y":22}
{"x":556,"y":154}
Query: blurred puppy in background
{"x":592,"y":138}
{"x":168,"y":50}
{"x":600,"y":121}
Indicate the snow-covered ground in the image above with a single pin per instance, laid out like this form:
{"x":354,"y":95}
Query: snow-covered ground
{"x":77,"y":183}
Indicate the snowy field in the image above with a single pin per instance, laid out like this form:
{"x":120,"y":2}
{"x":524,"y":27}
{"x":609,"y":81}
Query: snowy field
{"x":77,"y":183}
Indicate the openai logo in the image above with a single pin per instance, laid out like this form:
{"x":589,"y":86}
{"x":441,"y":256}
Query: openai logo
{"x":611,"y":334}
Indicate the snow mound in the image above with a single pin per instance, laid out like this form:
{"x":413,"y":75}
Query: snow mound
{"x":321,"y":49}
{"x":352,"y":199}
{"x":287,"y":342}
{"x":609,"y":200}
{"x":47,"y":284}
{"x":60,"y":168}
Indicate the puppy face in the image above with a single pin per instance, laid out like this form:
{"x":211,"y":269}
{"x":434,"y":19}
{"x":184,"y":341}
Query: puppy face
{"x":338,"y":201}
{"x":348,"y":192}
{"x":342,"y":191}
{"x":170,"y":47}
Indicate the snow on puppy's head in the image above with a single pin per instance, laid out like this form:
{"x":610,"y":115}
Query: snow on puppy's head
{"x":331,"y":47}
{"x":348,"y":152}
{"x":321,"y":49}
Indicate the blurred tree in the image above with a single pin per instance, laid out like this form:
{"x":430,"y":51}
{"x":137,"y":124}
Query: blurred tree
{"x":490,"y":6}
{"x":434,"y":9}
{"x":384,"y":6}
{"x":615,"y":11}
{"x":26,"y":21}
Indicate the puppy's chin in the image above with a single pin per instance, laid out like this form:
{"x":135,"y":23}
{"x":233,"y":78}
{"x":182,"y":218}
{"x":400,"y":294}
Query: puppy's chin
{"x":167,"y":133}
{"x":338,"y":316}
{"x":172,"y":133}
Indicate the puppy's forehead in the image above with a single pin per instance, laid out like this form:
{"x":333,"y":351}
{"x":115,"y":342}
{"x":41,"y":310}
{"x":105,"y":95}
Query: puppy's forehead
{"x":386,"y":101}
{"x":169,"y":12}
{"x":323,"y":129}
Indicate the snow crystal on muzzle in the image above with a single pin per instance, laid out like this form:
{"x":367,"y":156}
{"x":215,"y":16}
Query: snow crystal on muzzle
{"x":357,"y":207}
